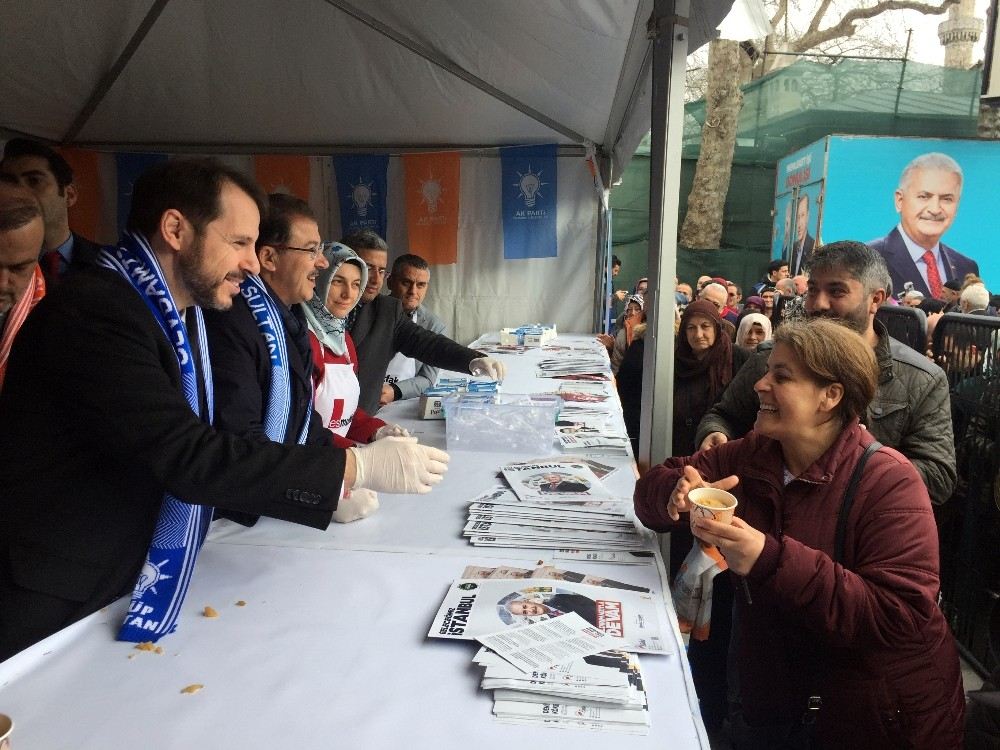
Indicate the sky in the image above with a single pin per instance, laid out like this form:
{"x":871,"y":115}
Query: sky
{"x":925,"y":45}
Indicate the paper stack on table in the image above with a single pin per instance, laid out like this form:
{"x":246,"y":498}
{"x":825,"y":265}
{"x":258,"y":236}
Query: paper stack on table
{"x":603,"y":692}
{"x":556,"y":647}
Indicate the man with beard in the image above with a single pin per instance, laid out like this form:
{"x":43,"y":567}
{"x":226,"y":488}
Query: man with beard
{"x":910,"y":412}
{"x":111,"y":466}
{"x":381,"y":328}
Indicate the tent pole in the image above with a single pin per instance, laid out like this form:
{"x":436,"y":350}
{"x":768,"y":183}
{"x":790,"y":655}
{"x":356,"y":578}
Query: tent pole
{"x":668,"y":27}
{"x":436,"y":58}
{"x":109,"y":78}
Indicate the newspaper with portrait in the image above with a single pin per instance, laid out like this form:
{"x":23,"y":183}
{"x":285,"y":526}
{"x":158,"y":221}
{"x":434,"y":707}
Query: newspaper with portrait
{"x":474,"y":607}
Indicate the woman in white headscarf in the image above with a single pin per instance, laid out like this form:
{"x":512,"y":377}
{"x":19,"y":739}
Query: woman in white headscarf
{"x":754,"y":329}
{"x":335,"y":365}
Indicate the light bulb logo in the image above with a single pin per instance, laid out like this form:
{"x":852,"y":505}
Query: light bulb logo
{"x":361,"y":196}
{"x":430,"y":193}
{"x":529,"y":186}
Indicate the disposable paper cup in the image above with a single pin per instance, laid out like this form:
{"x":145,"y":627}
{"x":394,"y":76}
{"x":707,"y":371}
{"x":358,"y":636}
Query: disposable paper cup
{"x":708,"y":502}
{"x":6,"y":728}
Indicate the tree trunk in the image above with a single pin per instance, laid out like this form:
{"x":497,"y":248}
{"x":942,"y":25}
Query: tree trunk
{"x":703,"y":223}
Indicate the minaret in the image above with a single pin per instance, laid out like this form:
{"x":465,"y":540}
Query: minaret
{"x":959,"y":34}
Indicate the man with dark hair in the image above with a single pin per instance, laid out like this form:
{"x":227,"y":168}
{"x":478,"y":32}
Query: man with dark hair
{"x":910,"y":412}
{"x":381,"y":328}
{"x":776,"y":270}
{"x":22,"y":231}
{"x":406,"y":377}
{"x":930,"y":189}
{"x":111,"y":466}
{"x":48,"y":175}
{"x":802,"y":248}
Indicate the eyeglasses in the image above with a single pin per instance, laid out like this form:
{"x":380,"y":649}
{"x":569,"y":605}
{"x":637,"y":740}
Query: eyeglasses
{"x":313,"y":251}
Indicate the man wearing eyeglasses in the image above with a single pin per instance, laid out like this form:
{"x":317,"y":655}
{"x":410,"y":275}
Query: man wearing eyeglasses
{"x":380,"y":328}
{"x":718,"y":295}
{"x":289,"y":252}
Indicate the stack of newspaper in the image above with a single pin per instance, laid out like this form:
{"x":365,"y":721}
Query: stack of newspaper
{"x":557,"y":644}
{"x":498,"y":519}
{"x":603,"y":691}
{"x":576,"y":364}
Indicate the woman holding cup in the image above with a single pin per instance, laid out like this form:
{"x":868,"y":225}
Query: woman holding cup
{"x":838,"y":640}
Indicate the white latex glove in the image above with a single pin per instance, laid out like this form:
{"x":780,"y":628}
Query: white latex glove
{"x":390,"y":430}
{"x":399,"y":464}
{"x":358,"y":504}
{"x":488,"y":366}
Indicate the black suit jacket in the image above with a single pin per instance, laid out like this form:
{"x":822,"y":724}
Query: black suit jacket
{"x":801,"y":255}
{"x":902,"y":268}
{"x":95,"y":429}
{"x":83,"y":255}
{"x":382,"y":329}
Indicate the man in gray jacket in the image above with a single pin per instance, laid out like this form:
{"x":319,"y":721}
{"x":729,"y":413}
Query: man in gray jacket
{"x":380,"y":328}
{"x":911,"y":411}
{"x":408,"y":282}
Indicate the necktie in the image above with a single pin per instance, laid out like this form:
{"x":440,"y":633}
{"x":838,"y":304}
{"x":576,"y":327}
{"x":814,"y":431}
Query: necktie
{"x":933,"y":277}
{"x":51,"y":263}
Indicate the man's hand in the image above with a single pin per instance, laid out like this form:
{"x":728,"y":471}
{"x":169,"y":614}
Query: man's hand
{"x":396,"y":464}
{"x":390,"y":430}
{"x":493,"y":368}
{"x":740,"y":543}
{"x":713,"y":440}
{"x":388,"y":395}
{"x":691,"y":479}
{"x":620,"y":295}
{"x":357,"y":504}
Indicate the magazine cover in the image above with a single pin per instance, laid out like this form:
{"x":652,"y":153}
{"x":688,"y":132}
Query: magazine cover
{"x":554,"y":481}
{"x":479,"y":607}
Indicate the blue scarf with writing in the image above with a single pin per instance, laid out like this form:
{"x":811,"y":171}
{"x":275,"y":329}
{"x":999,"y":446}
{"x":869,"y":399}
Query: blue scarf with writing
{"x":279,"y":400}
{"x":181,"y":527}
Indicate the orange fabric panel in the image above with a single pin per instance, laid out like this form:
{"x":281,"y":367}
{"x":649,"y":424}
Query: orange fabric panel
{"x":280,"y":173}
{"x":85,"y":214}
{"x":432,"y":204}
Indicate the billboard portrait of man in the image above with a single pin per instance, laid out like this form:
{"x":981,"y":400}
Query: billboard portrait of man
{"x":927,"y":198}
{"x":802,"y":248}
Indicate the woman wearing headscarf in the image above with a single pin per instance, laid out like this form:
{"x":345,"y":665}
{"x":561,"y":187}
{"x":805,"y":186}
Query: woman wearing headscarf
{"x":754,"y":329}
{"x":335,"y":363}
{"x":626,"y":333}
{"x":838,"y":641}
{"x":704,"y":363}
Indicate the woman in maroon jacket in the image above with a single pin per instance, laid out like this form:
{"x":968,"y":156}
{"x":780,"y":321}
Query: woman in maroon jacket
{"x":862,"y":633}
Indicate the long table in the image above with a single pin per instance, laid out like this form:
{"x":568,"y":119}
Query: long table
{"x":328,"y":646}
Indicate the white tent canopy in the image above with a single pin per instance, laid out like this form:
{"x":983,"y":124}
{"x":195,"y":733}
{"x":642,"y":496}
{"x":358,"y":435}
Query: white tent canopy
{"x":318,"y":75}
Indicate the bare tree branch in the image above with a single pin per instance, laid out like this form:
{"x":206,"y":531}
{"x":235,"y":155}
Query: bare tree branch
{"x":846,"y":25}
{"x":817,"y":18}
{"x":779,"y":13}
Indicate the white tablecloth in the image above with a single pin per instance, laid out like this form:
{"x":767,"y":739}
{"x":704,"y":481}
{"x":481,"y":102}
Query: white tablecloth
{"x":330,"y":649}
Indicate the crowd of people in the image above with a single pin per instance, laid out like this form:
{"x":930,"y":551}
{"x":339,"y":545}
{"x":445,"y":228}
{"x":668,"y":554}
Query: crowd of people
{"x":833,"y":606}
{"x":222,"y":361}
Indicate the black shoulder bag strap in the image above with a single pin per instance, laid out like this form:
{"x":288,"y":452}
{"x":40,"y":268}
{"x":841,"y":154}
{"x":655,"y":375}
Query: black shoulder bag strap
{"x":815,"y":701}
{"x":845,"y":508}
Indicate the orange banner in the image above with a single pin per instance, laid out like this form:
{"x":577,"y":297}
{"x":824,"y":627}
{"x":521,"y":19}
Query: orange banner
{"x":278,"y":173}
{"x":85,"y":214}
{"x":432,"y":182}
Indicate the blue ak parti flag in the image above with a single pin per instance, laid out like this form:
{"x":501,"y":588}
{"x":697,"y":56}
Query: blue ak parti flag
{"x":361,"y":192}
{"x":528,"y":187}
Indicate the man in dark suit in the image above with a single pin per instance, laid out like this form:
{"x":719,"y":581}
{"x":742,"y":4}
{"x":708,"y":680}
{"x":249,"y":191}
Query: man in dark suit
{"x":380,"y":328}
{"x":99,"y":427}
{"x":49,"y":176}
{"x":802,"y":248}
{"x":927,"y":199}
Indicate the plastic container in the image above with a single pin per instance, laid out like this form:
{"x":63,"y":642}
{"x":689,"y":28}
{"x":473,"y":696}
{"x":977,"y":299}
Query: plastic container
{"x":501,"y":423}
